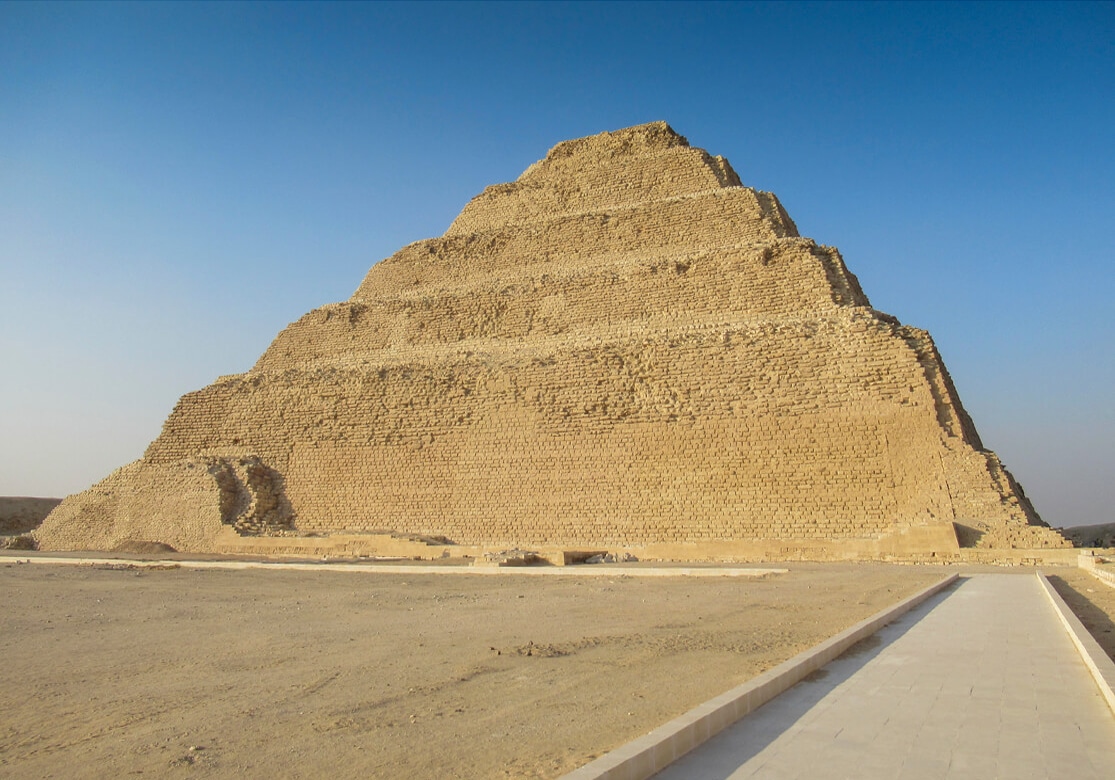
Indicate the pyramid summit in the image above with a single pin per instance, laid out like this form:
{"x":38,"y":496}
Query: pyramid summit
{"x":623,"y":349}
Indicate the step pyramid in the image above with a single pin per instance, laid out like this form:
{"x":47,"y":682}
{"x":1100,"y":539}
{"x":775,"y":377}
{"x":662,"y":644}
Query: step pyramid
{"x":624,"y":347}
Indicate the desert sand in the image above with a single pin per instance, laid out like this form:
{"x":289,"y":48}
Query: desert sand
{"x":1091,"y":600}
{"x":122,"y":672}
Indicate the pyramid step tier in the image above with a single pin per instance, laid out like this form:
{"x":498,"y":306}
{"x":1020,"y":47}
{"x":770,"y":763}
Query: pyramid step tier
{"x":566,"y":186}
{"x":712,"y":219}
{"x":855,"y":363}
{"x":792,"y":278}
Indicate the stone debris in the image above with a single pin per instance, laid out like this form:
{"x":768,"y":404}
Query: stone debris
{"x":19,"y":542}
{"x":511,"y":558}
{"x":623,"y":348}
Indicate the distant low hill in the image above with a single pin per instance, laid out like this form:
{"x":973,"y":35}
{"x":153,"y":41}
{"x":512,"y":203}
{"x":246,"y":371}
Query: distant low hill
{"x":1102,"y":535}
{"x":20,"y":514}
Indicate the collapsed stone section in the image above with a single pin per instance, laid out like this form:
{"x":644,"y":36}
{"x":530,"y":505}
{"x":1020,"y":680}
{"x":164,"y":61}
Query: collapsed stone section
{"x":252,"y":497}
{"x":622,"y":347}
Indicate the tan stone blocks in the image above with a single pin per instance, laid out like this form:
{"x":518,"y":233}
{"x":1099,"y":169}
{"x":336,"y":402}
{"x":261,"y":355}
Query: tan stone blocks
{"x":623,"y":347}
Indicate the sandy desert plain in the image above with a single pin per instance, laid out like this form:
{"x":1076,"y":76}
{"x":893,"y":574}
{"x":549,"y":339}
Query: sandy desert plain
{"x":113,"y":671}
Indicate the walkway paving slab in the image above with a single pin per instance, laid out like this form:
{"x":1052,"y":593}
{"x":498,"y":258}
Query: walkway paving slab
{"x":980,"y":681}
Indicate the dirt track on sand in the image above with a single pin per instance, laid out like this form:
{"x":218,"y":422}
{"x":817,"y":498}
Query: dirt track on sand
{"x":164,"y":673}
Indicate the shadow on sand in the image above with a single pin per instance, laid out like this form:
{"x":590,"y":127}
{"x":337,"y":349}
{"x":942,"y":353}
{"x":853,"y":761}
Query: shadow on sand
{"x":1094,"y":618}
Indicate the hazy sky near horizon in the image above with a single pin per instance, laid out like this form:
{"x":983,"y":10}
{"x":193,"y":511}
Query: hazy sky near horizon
{"x":178,"y":182}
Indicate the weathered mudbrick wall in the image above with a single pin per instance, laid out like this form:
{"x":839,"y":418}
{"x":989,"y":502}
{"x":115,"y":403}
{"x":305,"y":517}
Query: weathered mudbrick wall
{"x":623,"y":347}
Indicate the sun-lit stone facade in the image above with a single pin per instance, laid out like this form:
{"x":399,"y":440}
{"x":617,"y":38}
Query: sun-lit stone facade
{"x":622,"y":347}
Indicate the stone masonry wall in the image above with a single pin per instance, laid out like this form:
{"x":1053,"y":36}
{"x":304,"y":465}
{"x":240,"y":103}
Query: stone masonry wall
{"x":704,"y":221}
{"x":790,"y":278}
{"x":623,"y":347}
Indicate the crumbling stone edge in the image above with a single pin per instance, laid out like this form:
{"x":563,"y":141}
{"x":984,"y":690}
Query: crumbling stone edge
{"x":1097,"y":661}
{"x":643,"y":757}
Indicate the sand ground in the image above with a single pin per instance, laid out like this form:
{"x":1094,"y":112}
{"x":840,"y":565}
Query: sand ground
{"x":120,"y":672}
{"x":176,"y":672}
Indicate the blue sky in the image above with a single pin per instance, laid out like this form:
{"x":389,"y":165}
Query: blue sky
{"x":180,"y":181}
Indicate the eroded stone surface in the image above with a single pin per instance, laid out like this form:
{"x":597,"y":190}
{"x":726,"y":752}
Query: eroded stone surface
{"x":622,"y":347}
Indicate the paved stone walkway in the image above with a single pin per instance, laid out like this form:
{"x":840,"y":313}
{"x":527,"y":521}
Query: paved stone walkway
{"x":981,"y":681}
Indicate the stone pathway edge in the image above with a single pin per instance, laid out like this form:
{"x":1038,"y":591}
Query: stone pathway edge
{"x":643,"y":757}
{"x":588,"y":570}
{"x":1099,"y":664}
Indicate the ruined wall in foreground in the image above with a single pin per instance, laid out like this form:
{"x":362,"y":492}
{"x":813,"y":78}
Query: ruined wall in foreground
{"x":623,"y":347}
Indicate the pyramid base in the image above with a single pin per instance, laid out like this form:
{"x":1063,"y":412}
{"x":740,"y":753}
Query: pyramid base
{"x":935,"y":544}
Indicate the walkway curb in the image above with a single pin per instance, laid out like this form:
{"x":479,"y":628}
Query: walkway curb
{"x":588,"y":570}
{"x":1097,"y":661}
{"x":646,"y":755}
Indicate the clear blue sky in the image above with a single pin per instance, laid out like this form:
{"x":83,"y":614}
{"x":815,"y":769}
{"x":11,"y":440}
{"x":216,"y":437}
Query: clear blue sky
{"x":180,"y":181}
